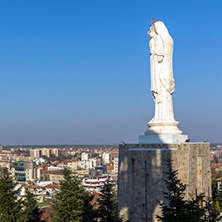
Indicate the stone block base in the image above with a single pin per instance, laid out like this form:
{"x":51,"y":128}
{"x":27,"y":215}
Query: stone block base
{"x":142,"y":168}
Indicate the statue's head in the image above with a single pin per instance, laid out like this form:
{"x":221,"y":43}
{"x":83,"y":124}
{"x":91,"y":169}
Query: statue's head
{"x":157,"y":28}
{"x":160,"y":28}
{"x":153,"y":20}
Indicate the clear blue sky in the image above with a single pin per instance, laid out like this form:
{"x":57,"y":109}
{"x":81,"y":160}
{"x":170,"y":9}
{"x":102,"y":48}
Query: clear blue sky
{"x":77,"y":72}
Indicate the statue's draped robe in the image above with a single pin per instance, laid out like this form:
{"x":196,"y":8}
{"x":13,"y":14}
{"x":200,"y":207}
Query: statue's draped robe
{"x":162,"y":82}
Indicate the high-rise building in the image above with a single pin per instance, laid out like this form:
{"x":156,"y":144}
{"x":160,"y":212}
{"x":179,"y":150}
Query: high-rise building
{"x":24,"y":171}
{"x":106,"y":158}
{"x":116,"y":163}
{"x":47,"y":152}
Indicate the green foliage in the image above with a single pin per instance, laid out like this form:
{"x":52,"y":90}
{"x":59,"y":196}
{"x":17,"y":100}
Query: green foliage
{"x":211,"y":211}
{"x":90,"y":215}
{"x":10,"y":206}
{"x":13,"y":208}
{"x":180,"y":210}
{"x":108,"y":207}
{"x":217,"y":206}
{"x":31,"y":212}
{"x":214,"y":189}
{"x":72,"y":202}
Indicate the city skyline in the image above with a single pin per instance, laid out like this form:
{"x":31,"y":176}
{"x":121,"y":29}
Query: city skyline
{"x":78,"y":72}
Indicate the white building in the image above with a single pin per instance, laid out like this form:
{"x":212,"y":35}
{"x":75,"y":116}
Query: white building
{"x":44,"y":183}
{"x":39,"y":161}
{"x":106,"y":158}
{"x":95,"y":183}
{"x":55,"y":168}
{"x":51,"y":189}
{"x":72,"y":165}
{"x":84,"y":156}
{"x":116,"y":162}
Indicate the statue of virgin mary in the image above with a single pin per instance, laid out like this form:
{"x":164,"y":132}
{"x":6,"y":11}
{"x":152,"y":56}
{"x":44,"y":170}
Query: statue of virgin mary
{"x":162,"y":81}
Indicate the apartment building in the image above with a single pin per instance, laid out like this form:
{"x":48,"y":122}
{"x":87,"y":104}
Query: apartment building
{"x":24,"y":171}
{"x":47,"y":152}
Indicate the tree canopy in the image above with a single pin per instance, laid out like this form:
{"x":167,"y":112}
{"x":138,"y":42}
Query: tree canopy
{"x":178,"y":209}
{"x":10,"y":205}
{"x":72,"y":201}
{"x":108,"y":207}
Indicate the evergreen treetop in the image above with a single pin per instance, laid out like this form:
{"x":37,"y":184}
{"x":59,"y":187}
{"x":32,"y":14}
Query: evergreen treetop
{"x":108,"y":207}
{"x":178,"y":209}
{"x":71,"y":203}
{"x":10,"y":205}
{"x":31,"y":212}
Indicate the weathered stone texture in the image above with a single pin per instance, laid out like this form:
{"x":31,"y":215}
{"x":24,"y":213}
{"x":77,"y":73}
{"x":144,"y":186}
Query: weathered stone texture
{"x":142,"y":168}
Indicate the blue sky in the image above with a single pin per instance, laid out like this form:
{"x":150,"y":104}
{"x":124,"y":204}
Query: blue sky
{"x":77,"y":72}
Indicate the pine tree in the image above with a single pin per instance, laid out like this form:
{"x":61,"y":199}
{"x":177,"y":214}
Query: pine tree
{"x":180,"y":210}
{"x":214,"y":189}
{"x":31,"y":212}
{"x":175,"y":210}
{"x":70,"y":203}
{"x":90,"y":214}
{"x":10,"y":205}
{"x":108,"y":207}
{"x":212,"y":212}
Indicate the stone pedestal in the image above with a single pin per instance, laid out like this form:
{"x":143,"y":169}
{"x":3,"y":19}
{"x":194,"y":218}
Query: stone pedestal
{"x":142,"y":168}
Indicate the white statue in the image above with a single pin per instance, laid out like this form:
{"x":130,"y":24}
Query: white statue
{"x":162,"y":81}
